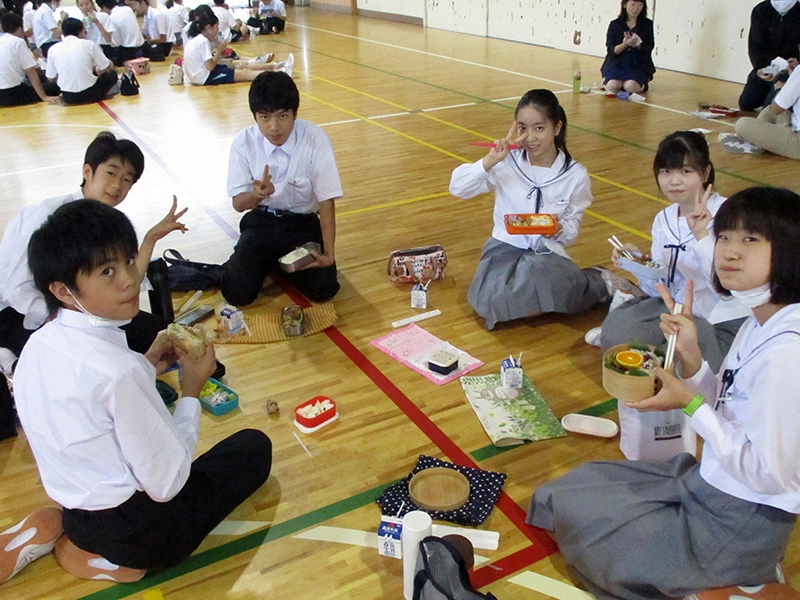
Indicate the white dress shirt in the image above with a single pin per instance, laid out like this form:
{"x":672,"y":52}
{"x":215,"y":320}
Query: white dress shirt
{"x":788,"y":98}
{"x":303,"y":169}
{"x":751,"y":444}
{"x":93,"y":32}
{"x":226,"y":21}
{"x":515,"y":182}
{"x":17,"y":289}
{"x":74,"y":62}
{"x":127,"y":34}
{"x":155,"y":24}
{"x":43,"y":24}
{"x":15,"y":57}
{"x":276,"y":6}
{"x":694,"y":263}
{"x":98,"y":429}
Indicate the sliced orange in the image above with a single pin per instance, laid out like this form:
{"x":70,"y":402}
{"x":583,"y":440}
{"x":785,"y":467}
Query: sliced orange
{"x":629,"y":359}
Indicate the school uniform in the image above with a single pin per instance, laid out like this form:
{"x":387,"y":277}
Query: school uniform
{"x":718,"y":318}
{"x":15,"y":58}
{"x":304,"y":174}
{"x":226,"y":22}
{"x":155,"y":24}
{"x":268,"y":21}
{"x":634,"y":63}
{"x":128,"y":36}
{"x":195,"y":54}
{"x":93,"y":32}
{"x":178,"y":17}
{"x":22,"y":307}
{"x":109,"y":451}
{"x":726,"y":521}
{"x":43,"y":24}
{"x":74,"y":63}
{"x":523,"y":275}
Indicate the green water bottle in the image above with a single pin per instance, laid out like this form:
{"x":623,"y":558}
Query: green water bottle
{"x":576,"y":82}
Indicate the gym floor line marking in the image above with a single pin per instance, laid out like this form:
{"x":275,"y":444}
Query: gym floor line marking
{"x":499,"y":102}
{"x":490,"y":67}
{"x":542,"y":545}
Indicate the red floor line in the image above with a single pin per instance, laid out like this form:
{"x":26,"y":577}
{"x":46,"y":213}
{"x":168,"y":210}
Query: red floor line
{"x":542,"y":546}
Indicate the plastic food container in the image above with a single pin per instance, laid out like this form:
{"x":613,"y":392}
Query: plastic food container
{"x":299,"y":257}
{"x":627,"y":388}
{"x":310,"y":424}
{"x":443,"y":362}
{"x":655,"y":271}
{"x":293,"y":320}
{"x":541,"y":224}
{"x":208,"y":403}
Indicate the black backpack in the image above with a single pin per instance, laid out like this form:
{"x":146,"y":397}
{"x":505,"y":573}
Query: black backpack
{"x":128,"y":84}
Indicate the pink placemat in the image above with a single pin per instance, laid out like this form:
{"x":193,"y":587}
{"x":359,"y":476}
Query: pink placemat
{"x":412,"y":346}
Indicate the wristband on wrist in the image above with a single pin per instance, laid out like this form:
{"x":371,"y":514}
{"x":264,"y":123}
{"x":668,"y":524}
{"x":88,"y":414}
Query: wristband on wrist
{"x":692,"y":407}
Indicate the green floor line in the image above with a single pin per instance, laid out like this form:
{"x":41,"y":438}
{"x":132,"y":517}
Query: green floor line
{"x":491,"y":451}
{"x":242,"y":544}
{"x":480,"y":100}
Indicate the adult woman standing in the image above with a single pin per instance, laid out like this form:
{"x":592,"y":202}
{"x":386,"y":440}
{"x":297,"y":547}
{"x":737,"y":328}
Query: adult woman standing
{"x":628,"y":65}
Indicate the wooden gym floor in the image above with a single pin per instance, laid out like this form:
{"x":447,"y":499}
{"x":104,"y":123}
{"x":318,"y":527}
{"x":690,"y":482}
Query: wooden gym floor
{"x":400,"y":104}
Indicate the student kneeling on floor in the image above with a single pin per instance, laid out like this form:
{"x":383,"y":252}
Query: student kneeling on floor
{"x":108,"y":450}
{"x":83,"y":72}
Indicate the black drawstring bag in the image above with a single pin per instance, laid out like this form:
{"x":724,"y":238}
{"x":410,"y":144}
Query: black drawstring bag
{"x":128,"y":84}
{"x":186,"y":275}
{"x":441,"y":573}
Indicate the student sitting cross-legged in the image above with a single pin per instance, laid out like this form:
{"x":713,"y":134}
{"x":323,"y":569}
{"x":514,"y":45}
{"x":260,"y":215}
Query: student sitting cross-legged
{"x":108,"y":450}
{"x":20,"y":77}
{"x":82,"y":71}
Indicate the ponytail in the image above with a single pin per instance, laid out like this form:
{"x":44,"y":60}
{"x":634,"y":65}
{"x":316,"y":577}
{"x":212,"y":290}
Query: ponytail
{"x":200,"y":18}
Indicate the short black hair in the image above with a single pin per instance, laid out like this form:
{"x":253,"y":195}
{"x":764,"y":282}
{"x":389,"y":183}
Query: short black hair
{"x":200,"y":18}
{"x":109,"y":4}
{"x":77,"y":238}
{"x":684,"y":147}
{"x":10,"y":22}
{"x":272,"y":91}
{"x":71,"y":26}
{"x":106,"y":145}
{"x":775,"y":214}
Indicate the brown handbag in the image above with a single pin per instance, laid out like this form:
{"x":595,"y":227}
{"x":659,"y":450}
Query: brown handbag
{"x":417,"y":264}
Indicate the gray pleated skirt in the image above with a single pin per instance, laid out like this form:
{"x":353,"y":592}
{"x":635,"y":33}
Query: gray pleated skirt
{"x":511,"y":283}
{"x":642,"y":531}
{"x":638,"y":321}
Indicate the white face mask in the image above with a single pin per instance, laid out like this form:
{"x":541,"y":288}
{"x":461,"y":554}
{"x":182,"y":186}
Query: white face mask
{"x":755,"y":297}
{"x":783,"y":6}
{"x":94,"y":320}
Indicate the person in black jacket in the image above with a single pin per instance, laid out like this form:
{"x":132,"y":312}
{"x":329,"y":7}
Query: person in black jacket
{"x":774,"y":32}
{"x":628,"y":65}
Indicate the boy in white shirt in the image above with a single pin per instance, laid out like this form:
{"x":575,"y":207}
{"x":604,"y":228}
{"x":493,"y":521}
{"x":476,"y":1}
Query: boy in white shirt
{"x":74,"y":63}
{"x":272,"y":14}
{"x":46,"y":31}
{"x":156,"y":26}
{"x":107,"y":448}
{"x":20,"y":77}
{"x":231,"y":29}
{"x":127,"y":39}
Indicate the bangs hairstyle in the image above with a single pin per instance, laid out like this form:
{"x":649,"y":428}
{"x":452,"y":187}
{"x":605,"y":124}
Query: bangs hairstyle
{"x":77,"y":238}
{"x":106,"y":146}
{"x":684,"y":147}
{"x":272,"y":91}
{"x":546,"y":103}
{"x":623,"y":14}
{"x":775,"y":214}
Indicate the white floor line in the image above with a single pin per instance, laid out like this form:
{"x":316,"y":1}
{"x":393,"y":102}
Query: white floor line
{"x":447,"y":107}
{"x":551,"y":587}
{"x":45,"y":168}
{"x":475,"y":64}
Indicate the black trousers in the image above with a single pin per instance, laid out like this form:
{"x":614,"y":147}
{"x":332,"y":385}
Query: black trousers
{"x":755,"y":92}
{"x":97,"y":92}
{"x":25,"y":94}
{"x":144,"y":534}
{"x":264,"y":239}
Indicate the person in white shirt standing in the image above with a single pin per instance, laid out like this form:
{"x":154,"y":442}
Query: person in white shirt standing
{"x":20,"y":77}
{"x":98,"y":27}
{"x":46,"y":31}
{"x":74,"y":64}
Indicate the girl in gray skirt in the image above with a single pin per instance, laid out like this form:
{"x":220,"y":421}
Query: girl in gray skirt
{"x":638,"y":530}
{"x":531,"y":172}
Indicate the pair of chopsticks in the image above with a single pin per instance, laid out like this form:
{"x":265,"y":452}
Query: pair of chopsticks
{"x":620,"y":247}
{"x":672,"y":340}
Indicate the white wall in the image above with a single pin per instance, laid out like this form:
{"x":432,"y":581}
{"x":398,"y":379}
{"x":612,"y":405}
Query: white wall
{"x":703,"y":37}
